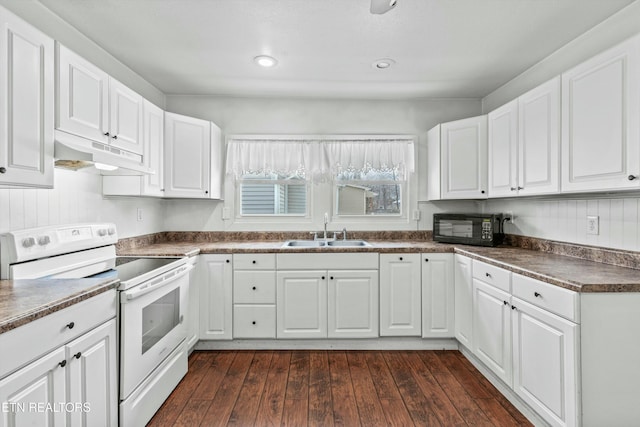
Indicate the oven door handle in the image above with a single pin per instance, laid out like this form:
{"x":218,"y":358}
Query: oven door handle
{"x":155,"y":284}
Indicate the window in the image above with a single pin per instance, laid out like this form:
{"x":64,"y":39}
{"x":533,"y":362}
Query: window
{"x":272,"y":194}
{"x":368,"y":193}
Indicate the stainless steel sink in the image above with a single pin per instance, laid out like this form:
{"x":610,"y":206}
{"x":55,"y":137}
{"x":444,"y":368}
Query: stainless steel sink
{"x":348,"y":243}
{"x":323,"y":243}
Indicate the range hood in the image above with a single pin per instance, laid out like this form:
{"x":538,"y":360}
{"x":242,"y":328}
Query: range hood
{"x":76,"y":153}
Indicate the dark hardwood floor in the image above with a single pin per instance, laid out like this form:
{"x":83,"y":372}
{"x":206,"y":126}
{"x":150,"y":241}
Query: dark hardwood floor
{"x":326,"y":388}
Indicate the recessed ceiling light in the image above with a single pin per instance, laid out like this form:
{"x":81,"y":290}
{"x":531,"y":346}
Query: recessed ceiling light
{"x":265,"y":61}
{"x":383,"y":63}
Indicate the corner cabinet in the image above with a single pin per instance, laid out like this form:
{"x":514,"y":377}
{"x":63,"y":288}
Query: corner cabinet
{"x":601,"y":121}
{"x":193,"y":158}
{"x":457,"y":160}
{"x":400,"y":295}
{"x":215,"y":276}
{"x":26,"y":104}
{"x":463,"y":296}
{"x":437,"y":295}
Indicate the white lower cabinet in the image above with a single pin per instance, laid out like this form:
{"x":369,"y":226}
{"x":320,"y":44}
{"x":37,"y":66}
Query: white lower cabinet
{"x":437,"y":296}
{"x":463,"y":295}
{"x":400,"y":295}
{"x":73,"y":385}
{"x":215,"y":275}
{"x":193,"y":315}
{"x":352,"y":304}
{"x":545,"y":363}
{"x":254,"y":296}
{"x":302,"y":304}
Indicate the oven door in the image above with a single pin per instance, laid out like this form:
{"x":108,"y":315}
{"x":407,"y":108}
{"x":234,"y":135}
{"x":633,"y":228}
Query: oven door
{"x":152,"y":324}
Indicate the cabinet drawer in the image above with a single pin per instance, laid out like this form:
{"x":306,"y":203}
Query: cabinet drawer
{"x":36,"y":338}
{"x":492,"y":275}
{"x":254,"y":321}
{"x":560,"y":301}
{"x":254,"y":287}
{"x":254,"y":261}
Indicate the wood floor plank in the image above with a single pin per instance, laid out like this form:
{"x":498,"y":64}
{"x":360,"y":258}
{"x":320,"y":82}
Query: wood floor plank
{"x":369,"y":407}
{"x":225,"y":399}
{"x":345,"y":408}
{"x":419,"y":407}
{"x":295,"y":413}
{"x":320,"y":402}
{"x":382,"y":378}
{"x":298,"y":381}
{"x":496,"y":413}
{"x":192,"y":413}
{"x":272,"y":400}
{"x":396,"y":413}
{"x":432,"y":361}
{"x":439,"y":402}
{"x":216,"y":371}
{"x":246,"y":406}
{"x":464,"y":377}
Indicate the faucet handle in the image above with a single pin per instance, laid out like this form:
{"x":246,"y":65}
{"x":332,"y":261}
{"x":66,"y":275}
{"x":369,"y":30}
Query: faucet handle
{"x":314,"y":234}
{"x":344,"y":233}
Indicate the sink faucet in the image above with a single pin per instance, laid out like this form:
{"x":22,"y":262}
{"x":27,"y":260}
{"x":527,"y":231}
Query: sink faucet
{"x":326,"y":220}
{"x":344,"y":233}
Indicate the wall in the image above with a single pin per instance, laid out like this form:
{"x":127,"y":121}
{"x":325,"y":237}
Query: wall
{"x":564,"y":218}
{"x":77,"y":197}
{"x":237,"y":115}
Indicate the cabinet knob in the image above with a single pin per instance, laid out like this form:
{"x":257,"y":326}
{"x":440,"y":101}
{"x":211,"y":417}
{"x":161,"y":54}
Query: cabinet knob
{"x":70,"y":325}
{"x":254,"y":261}
{"x":254,"y":288}
{"x":331,"y":278}
{"x":63,"y":364}
{"x":106,"y":134}
{"x":115,"y":137}
{"x":253,"y":323}
{"x":632,"y":177}
{"x":3,"y":169}
{"x":322,"y":277}
{"x":537,"y":295}
{"x":488,"y":275}
{"x":77,"y":355}
{"x":513,"y":307}
{"x":482,"y":191}
{"x":513,"y":189}
{"x":520,"y":188}
{"x":206,"y":191}
{"x":426,"y":260}
{"x":228,"y":261}
{"x":505,"y":302}
{"x":401,"y":258}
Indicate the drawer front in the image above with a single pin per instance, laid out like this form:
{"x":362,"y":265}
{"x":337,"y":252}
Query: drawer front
{"x":254,"y":287}
{"x":560,"y":301}
{"x":492,"y":275}
{"x":34,"y":339}
{"x":254,"y":321}
{"x":254,"y":261}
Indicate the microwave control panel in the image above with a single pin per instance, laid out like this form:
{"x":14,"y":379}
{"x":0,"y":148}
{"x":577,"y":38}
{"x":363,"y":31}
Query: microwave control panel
{"x":487,"y":230}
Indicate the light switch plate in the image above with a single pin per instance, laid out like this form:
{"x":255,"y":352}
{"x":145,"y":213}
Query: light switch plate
{"x":592,"y":225}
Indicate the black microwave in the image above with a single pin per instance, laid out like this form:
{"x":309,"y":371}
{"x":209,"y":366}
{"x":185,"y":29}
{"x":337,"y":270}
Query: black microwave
{"x":468,"y":229}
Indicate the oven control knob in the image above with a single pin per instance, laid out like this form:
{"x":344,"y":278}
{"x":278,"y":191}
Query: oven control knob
{"x":111,"y":231}
{"x":102,"y":232}
{"x":44,"y":240}
{"x":28,"y":242}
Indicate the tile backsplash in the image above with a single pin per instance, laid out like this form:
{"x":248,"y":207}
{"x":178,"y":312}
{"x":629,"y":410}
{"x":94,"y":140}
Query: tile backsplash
{"x":77,"y":197}
{"x":565,"y":219}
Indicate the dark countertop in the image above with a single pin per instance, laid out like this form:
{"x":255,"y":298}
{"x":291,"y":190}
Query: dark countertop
{"x":23,"y":301}
{"x":568,"y":272}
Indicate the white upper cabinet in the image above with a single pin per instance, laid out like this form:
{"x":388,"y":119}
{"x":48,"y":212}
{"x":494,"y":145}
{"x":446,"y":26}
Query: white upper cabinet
{"x":153,"y":137}
{"x":524,"y":144}
{"x":601,"y":121}
{"x":457,"y":160}
{"x":94,"y":106}
{"x":26,"y":104}
{"x":193,"y":158}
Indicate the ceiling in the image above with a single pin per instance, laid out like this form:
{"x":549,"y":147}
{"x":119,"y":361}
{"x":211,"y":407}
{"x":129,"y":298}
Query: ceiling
{"x":325,"y":48}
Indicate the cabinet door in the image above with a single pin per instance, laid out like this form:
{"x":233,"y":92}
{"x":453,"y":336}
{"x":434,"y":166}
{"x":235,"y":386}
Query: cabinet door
{"x":539,"y":140}
{"x":26,"y":104}
{"x":434,"y":167}
{"x":400,"y":303}
{"x":193,"y":314}
{"x":464,"y":158}
{"x":216,"y":165}
{"x":437,"y":296}
{"x":492,"y":328}
{"x":503,"y":150}
{"x":353,"y":304}
{"x":83,"y":97}
{"x":91,"y":362}
{"x":26,"y":393}
{"x":187,"y":156}
{"x":545,"y":363}
{"x":601,"y":120}
{"x":463,"y":300}
{"x":216,"y":297}
{"x":153,"y":137}
{"x":301,"y":304}
{"x":125,"y":125}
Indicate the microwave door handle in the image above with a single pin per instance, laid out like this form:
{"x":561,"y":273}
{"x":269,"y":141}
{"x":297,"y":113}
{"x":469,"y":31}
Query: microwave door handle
{"x":153,"y":285}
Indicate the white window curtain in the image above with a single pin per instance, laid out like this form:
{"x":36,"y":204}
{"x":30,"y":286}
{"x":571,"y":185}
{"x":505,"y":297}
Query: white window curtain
{"x":317,"y":159}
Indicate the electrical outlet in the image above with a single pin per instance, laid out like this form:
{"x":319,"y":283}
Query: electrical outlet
{"x":592,"y":225}
{"x":416,"y":215}
{"x":139,"y":214}
{"x":509,"y":214}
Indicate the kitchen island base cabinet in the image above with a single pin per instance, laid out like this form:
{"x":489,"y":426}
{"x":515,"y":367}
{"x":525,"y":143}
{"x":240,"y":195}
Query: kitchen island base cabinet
{"x":400,"y":295}
{"x":437,"y":296}
{"x":216,"y":296}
